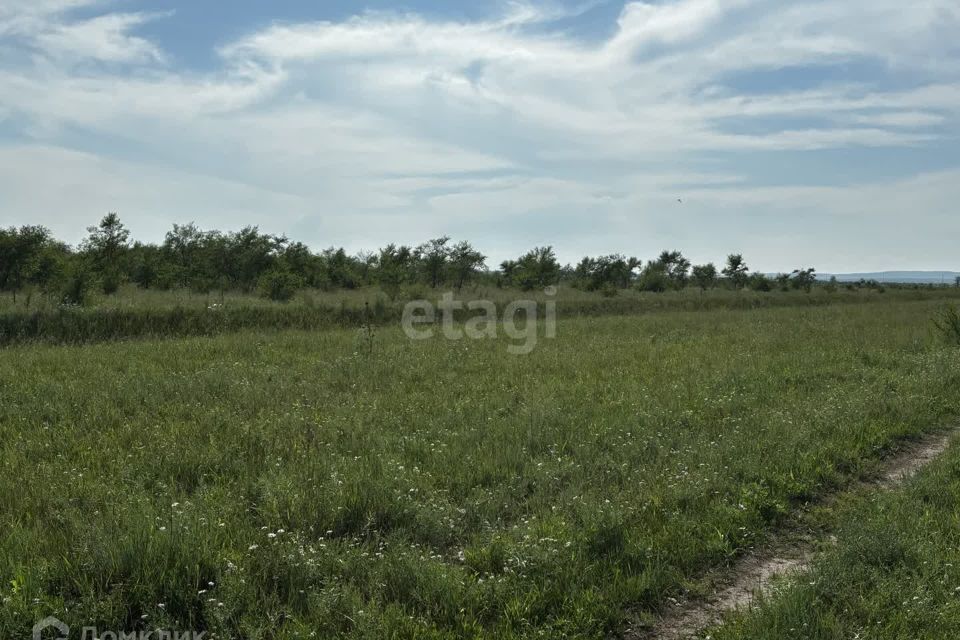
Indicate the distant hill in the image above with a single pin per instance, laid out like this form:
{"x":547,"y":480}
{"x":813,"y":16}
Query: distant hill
{"x":908,"y":277}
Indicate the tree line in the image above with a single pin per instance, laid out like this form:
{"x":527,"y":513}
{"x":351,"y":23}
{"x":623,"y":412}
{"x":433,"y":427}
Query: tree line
{"x":32,"y":260}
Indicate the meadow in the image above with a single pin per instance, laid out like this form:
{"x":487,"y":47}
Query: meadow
{"x":357,"y":484}
{"x":138,"y":313}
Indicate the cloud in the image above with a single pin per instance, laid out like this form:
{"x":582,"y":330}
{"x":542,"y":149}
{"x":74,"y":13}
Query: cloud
{"x":46,"y":28}
{"x":104,"y":38}
{"x":399,"y":123}
{"x":904,"y":119}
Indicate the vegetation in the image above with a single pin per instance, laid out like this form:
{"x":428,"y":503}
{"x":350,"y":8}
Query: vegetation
{"x":705,"y":276}
{"x":893,"y":573}
{"x":137,"y":313}
{"x":284,"y":470}
{"x":363,"y":485}
{"x":248,"y":261}
{"x":948,"y":324}
{"x":736,"y":270}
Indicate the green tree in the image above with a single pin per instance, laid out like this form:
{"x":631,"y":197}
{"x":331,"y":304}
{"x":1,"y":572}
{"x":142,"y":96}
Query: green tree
{"x":338,"y":270}
{"x":22,"y":254}
{"x":465,"y":262}
{"x":433,"y":256}
{"x":736,"y":270}
{"x":509,"y":269}
{"x":705,"y":276}
{"x":146,"y":265}
{"x":279,"y":284}
{"x":536,"y":269}
{"x":184,"y":255}
{"x":394,"y":268}
{"x":297,"y":258}
{"x":606,"y":272}
{"x":676,"y":268}
{"x":803,"y":279}
{"x":654,"y":278}
{"x":759,"y":282}
{"x":107,"y":242}
{"x":251,"y":254}
{"x":783,"y":281}
{"x":106,"y":246}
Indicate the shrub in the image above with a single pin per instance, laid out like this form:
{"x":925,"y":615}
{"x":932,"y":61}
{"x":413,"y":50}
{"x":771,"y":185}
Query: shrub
{"x":76,"y":287}
{"x":760,"y":282}
{"x":609,"y":290}
{"x":280,"y":286}
{"x":653,"y":279}
{"x":110,"y":283}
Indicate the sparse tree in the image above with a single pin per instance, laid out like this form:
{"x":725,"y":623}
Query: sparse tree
{"x":605,"y":272}
{"x":433,"y":256}
{"x":338,"y":269}
{"x":736,"y":270}
{"x":279,"y":284}
{"x":251,"y":254}
{"x":676,"y":267}
{"x":465,"y":262}
{"x":783,"y":281}
{"x":28,"y":255}
{"x":654,"y":278}
{"x":394,"y":268}
{"x":106,"y":246}
{"x":536,"y":269}
{"x":705,"y":276}
{"x":107,"y":241}
{"x":146,"y":264}
{"x":804,"y":279}
{"x":760,"y":282}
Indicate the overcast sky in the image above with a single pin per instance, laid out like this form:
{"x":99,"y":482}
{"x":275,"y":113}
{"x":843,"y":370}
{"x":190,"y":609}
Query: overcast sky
{"x":797,"y":132}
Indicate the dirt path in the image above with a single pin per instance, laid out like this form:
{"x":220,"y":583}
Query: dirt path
{"x":754,"y":574}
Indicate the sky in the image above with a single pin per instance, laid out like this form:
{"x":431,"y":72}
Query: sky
{"x":799,"y":133}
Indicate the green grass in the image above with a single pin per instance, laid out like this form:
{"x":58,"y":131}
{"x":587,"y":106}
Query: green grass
{"x":132,"y":297}
{"x":894,"y":573}
{"x":437,"y":489}
{"x":136,"y":313}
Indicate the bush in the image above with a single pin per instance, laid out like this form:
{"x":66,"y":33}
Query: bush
{"x":760,"y":282}
{"x":76,"y":288}
{"x":110,"y":284}
{"x":653,"y":280}
{"x":280,"y":286}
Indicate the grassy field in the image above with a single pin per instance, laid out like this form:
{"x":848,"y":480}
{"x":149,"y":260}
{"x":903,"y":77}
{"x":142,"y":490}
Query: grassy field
{"x":347,"y":484}
{"x":894,"y":572}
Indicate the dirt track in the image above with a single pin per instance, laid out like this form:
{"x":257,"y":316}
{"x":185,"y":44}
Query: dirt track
{"x":755,"y":573}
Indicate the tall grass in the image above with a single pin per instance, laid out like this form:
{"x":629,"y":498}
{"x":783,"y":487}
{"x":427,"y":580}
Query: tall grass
{"x":145,"y":314}
{"x":948,"y":324}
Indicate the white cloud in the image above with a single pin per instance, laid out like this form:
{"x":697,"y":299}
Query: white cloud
{"x":392,"y":123}
{"x":105,"y":38}
{"x":905,"y":119}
